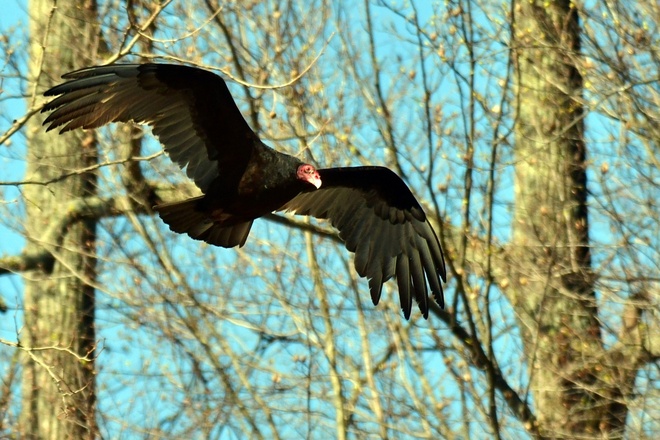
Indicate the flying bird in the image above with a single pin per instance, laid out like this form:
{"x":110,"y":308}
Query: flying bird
{"x":194,"y":116}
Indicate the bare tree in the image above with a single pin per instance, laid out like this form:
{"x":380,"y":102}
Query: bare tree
{"x":554,"y":293}
{"x":59,"y":338}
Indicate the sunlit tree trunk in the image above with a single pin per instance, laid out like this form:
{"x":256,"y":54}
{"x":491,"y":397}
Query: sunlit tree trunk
{"x":59,"y":338}
{"x":554,"y":293}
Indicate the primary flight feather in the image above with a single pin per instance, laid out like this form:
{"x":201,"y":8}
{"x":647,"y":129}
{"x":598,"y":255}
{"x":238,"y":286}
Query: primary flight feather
{"x":194,"y":116}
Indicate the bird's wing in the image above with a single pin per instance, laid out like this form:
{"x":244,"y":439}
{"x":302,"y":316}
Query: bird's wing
{"x":189,"y":109}
{"x":380,"y":220}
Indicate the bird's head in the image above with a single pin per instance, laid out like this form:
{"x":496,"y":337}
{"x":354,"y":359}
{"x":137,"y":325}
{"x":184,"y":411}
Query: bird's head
{"x":308,"y":173}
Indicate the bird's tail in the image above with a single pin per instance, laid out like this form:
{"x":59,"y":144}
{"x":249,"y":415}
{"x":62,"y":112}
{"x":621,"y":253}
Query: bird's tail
{"x":184,"y":218}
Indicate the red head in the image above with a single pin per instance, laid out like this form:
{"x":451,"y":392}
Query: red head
{"x":308,"y":173}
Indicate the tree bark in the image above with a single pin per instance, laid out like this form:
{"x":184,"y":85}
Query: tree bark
{"x":554,"y":290}
{"x":58,"y":339}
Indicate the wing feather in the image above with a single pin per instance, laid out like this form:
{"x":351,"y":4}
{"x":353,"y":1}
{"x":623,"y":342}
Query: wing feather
{"x":190,"y":110}
{"x":418,"y":281}
{"x":383,"y":224}
{"x":403,"y":281}
{"x":364,"y":248}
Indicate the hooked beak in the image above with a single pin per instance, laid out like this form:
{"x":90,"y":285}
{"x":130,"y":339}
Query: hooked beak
{"x":315,"y":180}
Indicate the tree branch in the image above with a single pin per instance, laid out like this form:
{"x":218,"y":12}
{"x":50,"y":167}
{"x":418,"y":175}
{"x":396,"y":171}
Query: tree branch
{"x":99,"y":207}
{"x":83,"y":209}
{"x":479,"y":358}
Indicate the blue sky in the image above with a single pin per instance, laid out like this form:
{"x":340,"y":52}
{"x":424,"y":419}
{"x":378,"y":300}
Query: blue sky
{"x":11,"y":243}
{"x":128,"y":401}
{"x":122,"y":355}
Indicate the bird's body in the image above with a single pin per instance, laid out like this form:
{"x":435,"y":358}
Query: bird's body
{"x":197,"y":121}
{"x":231,"y":204}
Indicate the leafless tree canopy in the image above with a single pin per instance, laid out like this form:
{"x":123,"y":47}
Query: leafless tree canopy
{"x":529,"y":130}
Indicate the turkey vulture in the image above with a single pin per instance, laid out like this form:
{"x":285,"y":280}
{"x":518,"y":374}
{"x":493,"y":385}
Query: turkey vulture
{"x":193,"y":115}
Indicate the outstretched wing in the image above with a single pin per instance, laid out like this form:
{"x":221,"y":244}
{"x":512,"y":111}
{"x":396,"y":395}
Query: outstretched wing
{"x":189,"y":109}
{"x":380,"y":220}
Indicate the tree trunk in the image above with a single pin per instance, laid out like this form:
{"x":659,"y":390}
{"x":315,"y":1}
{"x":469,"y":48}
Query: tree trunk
{"x":59,"y":336}
{"x":554,"y":294}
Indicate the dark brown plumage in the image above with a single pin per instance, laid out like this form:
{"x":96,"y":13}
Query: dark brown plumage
{"x":195,"y":118}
